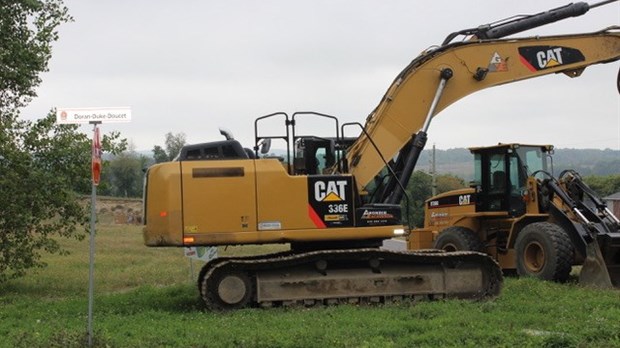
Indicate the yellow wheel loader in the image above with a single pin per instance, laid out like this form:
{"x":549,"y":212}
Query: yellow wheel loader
{"x":335,"y":199}
{"x":530,"y":222}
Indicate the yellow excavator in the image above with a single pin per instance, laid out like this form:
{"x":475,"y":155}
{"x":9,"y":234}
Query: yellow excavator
{"x":335,"y":199}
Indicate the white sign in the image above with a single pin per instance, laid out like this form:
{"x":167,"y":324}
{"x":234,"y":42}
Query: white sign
{"x":201,"y":253}
{"x":87,"y":115}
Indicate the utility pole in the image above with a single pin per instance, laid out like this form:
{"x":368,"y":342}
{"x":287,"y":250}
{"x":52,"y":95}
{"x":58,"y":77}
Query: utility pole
{"x":433,"y":175}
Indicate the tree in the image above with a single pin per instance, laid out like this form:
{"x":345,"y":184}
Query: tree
{"x":125,"y":174}
{"x":174,"y":143}
{"x":42,"y":164}
{"x":419,"y":190}
{"x":27,"y":31}
{"x":603,"y":185}
{"x":449,"y":182}
{"x":160,"y":155}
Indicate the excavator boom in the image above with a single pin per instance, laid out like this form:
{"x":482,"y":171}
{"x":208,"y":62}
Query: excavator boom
{"x":475,"y":65}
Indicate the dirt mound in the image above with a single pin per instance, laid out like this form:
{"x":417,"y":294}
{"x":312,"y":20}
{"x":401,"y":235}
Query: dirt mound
{"x":118,"y":210}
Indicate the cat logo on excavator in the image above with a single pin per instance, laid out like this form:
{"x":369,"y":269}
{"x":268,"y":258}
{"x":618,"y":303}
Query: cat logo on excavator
{"x":537,"y":58}
{"x":330,"y":191}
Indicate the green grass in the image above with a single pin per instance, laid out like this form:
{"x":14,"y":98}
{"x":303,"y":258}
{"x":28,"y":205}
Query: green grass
{"x":144,"y":297}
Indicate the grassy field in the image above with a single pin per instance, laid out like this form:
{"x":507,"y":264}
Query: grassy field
{"x":146,"y":297}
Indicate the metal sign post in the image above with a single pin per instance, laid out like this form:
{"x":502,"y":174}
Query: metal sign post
{"x":96,"y":174}
{"x":94,"y":116}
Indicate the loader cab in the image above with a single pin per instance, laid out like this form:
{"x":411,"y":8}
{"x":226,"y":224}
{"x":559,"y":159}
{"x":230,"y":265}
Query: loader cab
{"x":501,"y":172}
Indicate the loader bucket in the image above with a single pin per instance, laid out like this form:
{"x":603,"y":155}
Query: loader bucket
{"x":601,"y":268}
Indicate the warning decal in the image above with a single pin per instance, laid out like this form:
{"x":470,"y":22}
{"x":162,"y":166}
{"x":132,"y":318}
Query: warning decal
{"x":497,"y":63}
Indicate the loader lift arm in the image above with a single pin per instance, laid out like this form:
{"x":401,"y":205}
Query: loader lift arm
{"x":597,"y":227}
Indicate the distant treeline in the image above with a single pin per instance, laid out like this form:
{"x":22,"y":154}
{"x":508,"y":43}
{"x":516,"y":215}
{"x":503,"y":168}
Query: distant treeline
{"x":459,"y":161}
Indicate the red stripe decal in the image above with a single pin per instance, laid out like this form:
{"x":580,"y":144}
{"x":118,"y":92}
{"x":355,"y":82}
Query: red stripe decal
{"x":527,"y":64}
{"x":315,"y":217}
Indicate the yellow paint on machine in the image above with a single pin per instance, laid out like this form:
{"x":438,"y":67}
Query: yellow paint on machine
{"x":217,"y":194}
{"x":224,"y":202}
{"x":163,"y":216}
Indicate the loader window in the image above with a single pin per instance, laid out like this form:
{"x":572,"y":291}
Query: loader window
{"x":497,"y":182}
{"x":477,"y":170}
{"x":516,"y":205}
{"x":516,"y":182}
{"x":533,"y":159}
{"x":497,"y":172}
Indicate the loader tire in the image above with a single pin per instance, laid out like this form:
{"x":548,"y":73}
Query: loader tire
{"x":544,"y":251}
{"x":457,"y":238}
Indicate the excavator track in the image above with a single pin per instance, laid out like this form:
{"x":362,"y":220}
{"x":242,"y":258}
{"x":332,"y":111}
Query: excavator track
{"x":327,"y":277}
{"x":218,"y":260}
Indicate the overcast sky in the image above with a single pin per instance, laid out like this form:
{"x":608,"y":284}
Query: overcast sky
{"x":195,"y":66}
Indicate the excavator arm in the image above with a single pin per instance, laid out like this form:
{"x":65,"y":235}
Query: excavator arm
{"x":441,"y":76}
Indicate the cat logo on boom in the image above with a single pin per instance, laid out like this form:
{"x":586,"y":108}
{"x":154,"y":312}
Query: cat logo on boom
{"x":330,"y":191}
{"x":537,"y":58}
{"x":549,"y":58}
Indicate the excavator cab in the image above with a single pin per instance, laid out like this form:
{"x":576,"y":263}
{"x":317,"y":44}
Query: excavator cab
{"x":313,"y":155}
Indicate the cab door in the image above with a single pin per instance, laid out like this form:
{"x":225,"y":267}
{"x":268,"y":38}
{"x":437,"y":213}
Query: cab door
{"x":493,"y":180}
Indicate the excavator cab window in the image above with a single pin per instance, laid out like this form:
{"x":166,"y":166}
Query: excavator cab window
{"x":313,"y":155}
